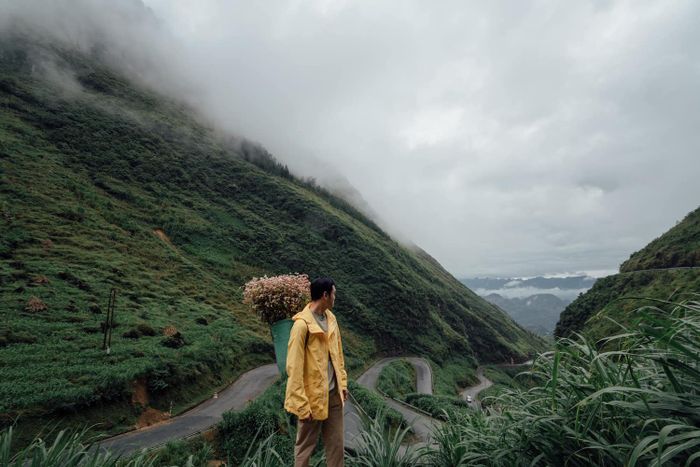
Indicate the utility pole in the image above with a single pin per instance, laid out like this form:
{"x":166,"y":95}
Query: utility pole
{"x":109,"y":322}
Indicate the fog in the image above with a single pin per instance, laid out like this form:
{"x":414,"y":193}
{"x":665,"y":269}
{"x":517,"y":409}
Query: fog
{"x":504,"y":138}
{"x":567,"y":295}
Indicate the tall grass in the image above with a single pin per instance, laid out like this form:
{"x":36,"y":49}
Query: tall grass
{"x":634,"y":403}
{"x":378,"y":446}
{"x":262,"y":454}
{"x":68,"y":449}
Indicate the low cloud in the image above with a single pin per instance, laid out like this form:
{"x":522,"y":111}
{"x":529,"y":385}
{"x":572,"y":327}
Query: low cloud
{"x":511,"y":138}
{"x":567,"y":295}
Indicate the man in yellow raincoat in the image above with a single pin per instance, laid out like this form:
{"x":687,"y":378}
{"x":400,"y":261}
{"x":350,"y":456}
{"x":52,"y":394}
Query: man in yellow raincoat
{"x":317,"y":384}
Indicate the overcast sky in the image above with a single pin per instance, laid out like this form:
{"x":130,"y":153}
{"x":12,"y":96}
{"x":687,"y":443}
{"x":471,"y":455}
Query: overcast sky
{"x":504,"y":138}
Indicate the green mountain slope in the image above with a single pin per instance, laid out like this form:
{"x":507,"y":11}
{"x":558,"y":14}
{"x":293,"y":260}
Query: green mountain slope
{"x":104,"y":184}
{"x":661,"y":270}
{"x":679,"y":247}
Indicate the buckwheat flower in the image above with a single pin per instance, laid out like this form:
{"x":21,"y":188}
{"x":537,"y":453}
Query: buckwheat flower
{"x":278,"y":297}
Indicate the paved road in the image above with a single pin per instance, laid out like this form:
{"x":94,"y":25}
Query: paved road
{"x":246,"y":388}
{"x":421,"y":424}
{"x":253,"y":383}
{"x":472,"y":391}
{"x":484,"y":382}
{"x":424,"y":375}
{"x":353,"y":424}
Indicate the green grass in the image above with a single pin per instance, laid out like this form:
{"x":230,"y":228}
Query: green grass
{"x":379,"y":447}
{"x":397,"y":379}
{"x":195,"y":451}
{"x":504,"y":378}
{"x":450,"y":377}
{"x":374,"y":405}
{"x":679,"y":247}
{"x":69,"y":448}
{"x":440,"y":407}
{"x":614,"y":299}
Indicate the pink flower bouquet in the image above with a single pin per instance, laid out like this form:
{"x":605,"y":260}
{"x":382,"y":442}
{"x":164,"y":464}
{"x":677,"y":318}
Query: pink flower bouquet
{"x":279,"y":297}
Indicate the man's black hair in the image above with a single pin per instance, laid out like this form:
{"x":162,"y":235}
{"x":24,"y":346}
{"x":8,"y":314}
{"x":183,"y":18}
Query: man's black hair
{"x":320,"y":285}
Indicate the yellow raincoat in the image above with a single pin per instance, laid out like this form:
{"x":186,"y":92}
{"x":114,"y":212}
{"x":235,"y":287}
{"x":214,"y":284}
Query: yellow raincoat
{"x":307,"y":365}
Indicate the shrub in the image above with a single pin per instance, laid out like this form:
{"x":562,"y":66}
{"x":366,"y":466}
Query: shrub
{"x":193,"y":453}
{"x":40,"y":280}
{"x":174,"y":342}
{"x":131,"y":334}
{"x":35,"y":305}
{"x":262,"y":418}
{"x":8,"y":337}
{"x":146,"y":330}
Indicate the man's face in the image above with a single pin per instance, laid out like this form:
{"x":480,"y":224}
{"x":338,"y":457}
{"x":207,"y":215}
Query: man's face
{"x":330,"y":299}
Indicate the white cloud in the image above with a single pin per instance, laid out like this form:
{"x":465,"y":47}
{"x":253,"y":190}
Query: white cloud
{"x":511,"y":138}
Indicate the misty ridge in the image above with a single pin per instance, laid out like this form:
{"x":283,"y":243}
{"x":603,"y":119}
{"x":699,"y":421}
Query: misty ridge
{"x":127,"y":38}
{"x":330,"y":90}
{"x":534,"y":140}
{"x":538,"y":313}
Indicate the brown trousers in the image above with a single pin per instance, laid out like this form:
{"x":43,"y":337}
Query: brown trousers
{"x":332,"y":432}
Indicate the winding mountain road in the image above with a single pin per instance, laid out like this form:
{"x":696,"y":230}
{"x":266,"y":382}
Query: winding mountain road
{"x":253,"y":383}
{"x":247,"y":387}
{"x":207,"y":414}
{"x":473,"y":391}
{"x":484,"y":382}
{"x":421,"y":424}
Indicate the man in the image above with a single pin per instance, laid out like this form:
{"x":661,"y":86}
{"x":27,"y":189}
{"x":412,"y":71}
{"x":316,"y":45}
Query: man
{"x":317,"y":384}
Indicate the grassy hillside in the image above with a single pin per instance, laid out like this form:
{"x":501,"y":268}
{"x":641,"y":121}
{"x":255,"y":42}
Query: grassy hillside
{"x":679,"y":247}
{"x":104,"y":184}
{"x":660,"y":271}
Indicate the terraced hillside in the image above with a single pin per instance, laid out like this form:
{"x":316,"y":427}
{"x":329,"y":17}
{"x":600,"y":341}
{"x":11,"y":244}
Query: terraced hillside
{"x":105,"y":184}
{"x":667,"y":268}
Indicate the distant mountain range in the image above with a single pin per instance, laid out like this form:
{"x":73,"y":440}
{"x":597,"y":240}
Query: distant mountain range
{"x":539,"y":313}
{"x":539,"y":282}
{"x":536,"y":302}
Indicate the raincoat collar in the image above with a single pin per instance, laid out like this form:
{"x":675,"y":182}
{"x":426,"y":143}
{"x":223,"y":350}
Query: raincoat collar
{"x":307,"y":315}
